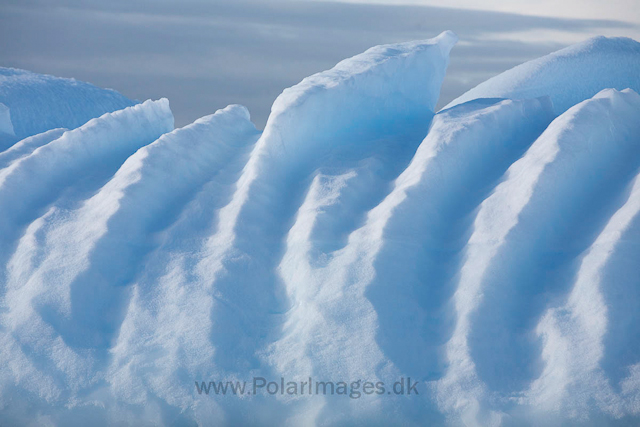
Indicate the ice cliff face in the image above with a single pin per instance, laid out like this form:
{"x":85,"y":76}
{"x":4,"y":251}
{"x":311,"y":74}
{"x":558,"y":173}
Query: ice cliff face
{"x":488,"y":252}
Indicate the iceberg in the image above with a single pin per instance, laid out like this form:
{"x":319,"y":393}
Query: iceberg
{"x":39,"y":102}
{"x":481,"y":258}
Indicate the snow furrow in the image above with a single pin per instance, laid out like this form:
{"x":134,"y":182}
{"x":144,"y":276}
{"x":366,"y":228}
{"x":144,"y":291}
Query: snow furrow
{"x":73,"y":165}
{"x":344,"y":302}
{"x":526,"y":235}
{"x":50,"y":180}
{"x":143,"y":197}
{"x":574,"y":333}
{"x":218,"y":278}
{"x":164,"y":341}
{"x":254,"y":224}
{"x":201,"y":308}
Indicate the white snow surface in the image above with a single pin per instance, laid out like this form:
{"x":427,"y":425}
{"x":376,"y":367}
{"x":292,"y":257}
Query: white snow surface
{"x":488,"y":252}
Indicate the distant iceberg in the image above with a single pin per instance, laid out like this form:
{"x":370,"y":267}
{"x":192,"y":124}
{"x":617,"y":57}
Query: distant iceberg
{"x":39,"y":102}
{"x":481,"y":259}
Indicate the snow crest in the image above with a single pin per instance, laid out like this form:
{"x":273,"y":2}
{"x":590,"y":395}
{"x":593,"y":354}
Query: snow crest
{"x":568,"y":76}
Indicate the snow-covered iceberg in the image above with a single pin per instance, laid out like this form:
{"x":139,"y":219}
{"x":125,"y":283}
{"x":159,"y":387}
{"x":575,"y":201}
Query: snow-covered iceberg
{"x":39,"y":102}
{"x":482,"y":258}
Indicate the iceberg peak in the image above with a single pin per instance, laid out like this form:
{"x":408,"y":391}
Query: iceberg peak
{"x":569,"y":76}
{"x":383,"y":89}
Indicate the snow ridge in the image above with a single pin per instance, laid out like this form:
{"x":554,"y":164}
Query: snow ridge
{"x":551,"y":202}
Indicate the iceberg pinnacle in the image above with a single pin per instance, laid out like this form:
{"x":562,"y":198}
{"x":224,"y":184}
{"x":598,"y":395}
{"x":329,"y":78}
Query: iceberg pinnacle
{"x":380,"y":90}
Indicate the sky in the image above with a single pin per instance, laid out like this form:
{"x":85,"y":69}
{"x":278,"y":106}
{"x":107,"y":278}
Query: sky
{"x":204,"y":55}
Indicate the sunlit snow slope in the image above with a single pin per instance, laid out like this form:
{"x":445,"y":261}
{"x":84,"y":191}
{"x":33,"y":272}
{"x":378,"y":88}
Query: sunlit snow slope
{"x":489,"y":251}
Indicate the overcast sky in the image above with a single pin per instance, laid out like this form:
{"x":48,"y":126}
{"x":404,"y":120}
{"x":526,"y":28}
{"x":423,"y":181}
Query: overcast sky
{"x":204,"y":55}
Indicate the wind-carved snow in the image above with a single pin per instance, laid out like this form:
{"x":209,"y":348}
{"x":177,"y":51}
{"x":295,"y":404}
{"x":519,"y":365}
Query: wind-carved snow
{"x":574,"y":333}
{"x":579,"y":335}
{"x":287,"y":156}
{"x":64,"y":171}
{"x":337,"y":307}
{"x":525,"y":236}
{"x":488,"y":251}
{"x":33,"y":190}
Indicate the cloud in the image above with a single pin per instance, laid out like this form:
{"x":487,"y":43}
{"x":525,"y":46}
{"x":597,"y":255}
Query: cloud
{"x":205,"y":55}
{"x":584,"y":9}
